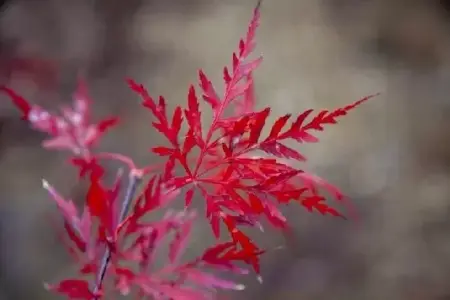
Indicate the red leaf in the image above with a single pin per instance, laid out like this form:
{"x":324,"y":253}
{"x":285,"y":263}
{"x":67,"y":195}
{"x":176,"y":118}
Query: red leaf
{"x":212,"y":254}
{"x":249,"y":252}
{"x":226,"y":76}
{"x":276,"y":128}
{"x":299,"y":132}
{"x":240,"y":69}
{"x":239,"y":90}
{"x":67,"y":208}
{"x":106,"y":124}
{"x":177,"y":119}
{"x":18,"y":101}
{"x":256,"y":204}
{"x":279,"y":150}
{"x":300,"y":119}
{"x":74,"y":237}
{"x":189,"y":196}
{"x":193,"y":117}
{"x":147,"y":99}
{"x":91,"y":135}
{"x":155,"y":195}
{"x":96,"y":198}
{"x":246,"y":69}
{"x":303,"y":136}
{"x":73,"y":288}
{"x":59,"y":143}
{"x":87,"y":167}
{"x":85,"y":225}
{"x":159,"y":111}
{"x":89,"y":269}
{"x":163,"y":151}
{"x":71,"y":129}
{"x":274,"y":215}
{"x":227,"y":151}
{"x":246,"y":104}
{"x":317,"y":202}
{"x":162,"y":105}
{"x":275,"y":180}
{"x":101,"y":204}
{"x":312,"y":180}
{"x":240,"y":127}
{"x":259,"y":122}
{"x":189,"y":142}
{"x":248,"y":46}
{"x":209,"y":94}
{"x":284,"y":196}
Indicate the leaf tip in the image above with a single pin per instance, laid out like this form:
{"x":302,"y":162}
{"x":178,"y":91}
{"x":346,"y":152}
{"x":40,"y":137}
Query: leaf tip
{"x":260,"y":279}
{"x":45,"y":184}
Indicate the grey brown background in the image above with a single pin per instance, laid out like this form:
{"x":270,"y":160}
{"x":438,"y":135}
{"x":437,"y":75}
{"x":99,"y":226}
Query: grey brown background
{"x":392,"y":156}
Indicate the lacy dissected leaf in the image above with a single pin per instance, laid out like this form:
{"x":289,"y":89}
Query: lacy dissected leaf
{"x":71,"y":129}
{"x":66,"y":207}
{"x":155,"y":195}
{"x":318,"y":203}
{"x":248,"y":129}
{"x":249,"y":252}
{"x":300,"y":130}
{"x":149,"y":240}
{"x":169,"y":129}
{"x":79,"y":230}
{"x":235,"y":87}
{"x":178,"y":223}
{"x":218,"y":256}
{"x":248,"y":188}
{"x":213,"y":160}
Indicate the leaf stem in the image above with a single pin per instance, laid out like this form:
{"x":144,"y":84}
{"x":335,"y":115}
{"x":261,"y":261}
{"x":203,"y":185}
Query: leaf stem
{"x":135,"y":178}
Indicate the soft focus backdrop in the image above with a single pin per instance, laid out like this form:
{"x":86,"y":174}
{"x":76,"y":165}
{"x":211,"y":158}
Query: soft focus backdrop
{"x":391,"y":156}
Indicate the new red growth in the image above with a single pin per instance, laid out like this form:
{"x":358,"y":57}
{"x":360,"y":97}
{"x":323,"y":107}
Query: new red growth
{"x":220,"y":164}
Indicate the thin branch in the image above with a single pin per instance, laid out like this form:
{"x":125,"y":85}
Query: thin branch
{"x":135,"y":179}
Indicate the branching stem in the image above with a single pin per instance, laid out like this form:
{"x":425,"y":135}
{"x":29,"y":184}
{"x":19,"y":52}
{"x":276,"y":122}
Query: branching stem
{"x":135,"y":179}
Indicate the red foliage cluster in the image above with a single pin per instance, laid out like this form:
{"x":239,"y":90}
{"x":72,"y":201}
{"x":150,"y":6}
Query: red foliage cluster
{"x":218,"y":163}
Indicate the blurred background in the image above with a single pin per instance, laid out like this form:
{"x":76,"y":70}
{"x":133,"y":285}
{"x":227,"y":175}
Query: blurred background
{"x":391,"y":156}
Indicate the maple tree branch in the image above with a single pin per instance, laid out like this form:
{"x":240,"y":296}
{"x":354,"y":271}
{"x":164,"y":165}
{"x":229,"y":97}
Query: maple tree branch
{"x":118,"y":157}
{"x":135,"y":179}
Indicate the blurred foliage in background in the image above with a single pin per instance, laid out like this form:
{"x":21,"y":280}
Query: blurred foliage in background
{"x":392,"y":157}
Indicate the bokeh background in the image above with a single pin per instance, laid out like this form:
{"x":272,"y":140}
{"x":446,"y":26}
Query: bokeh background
{"x":391,"y":156}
